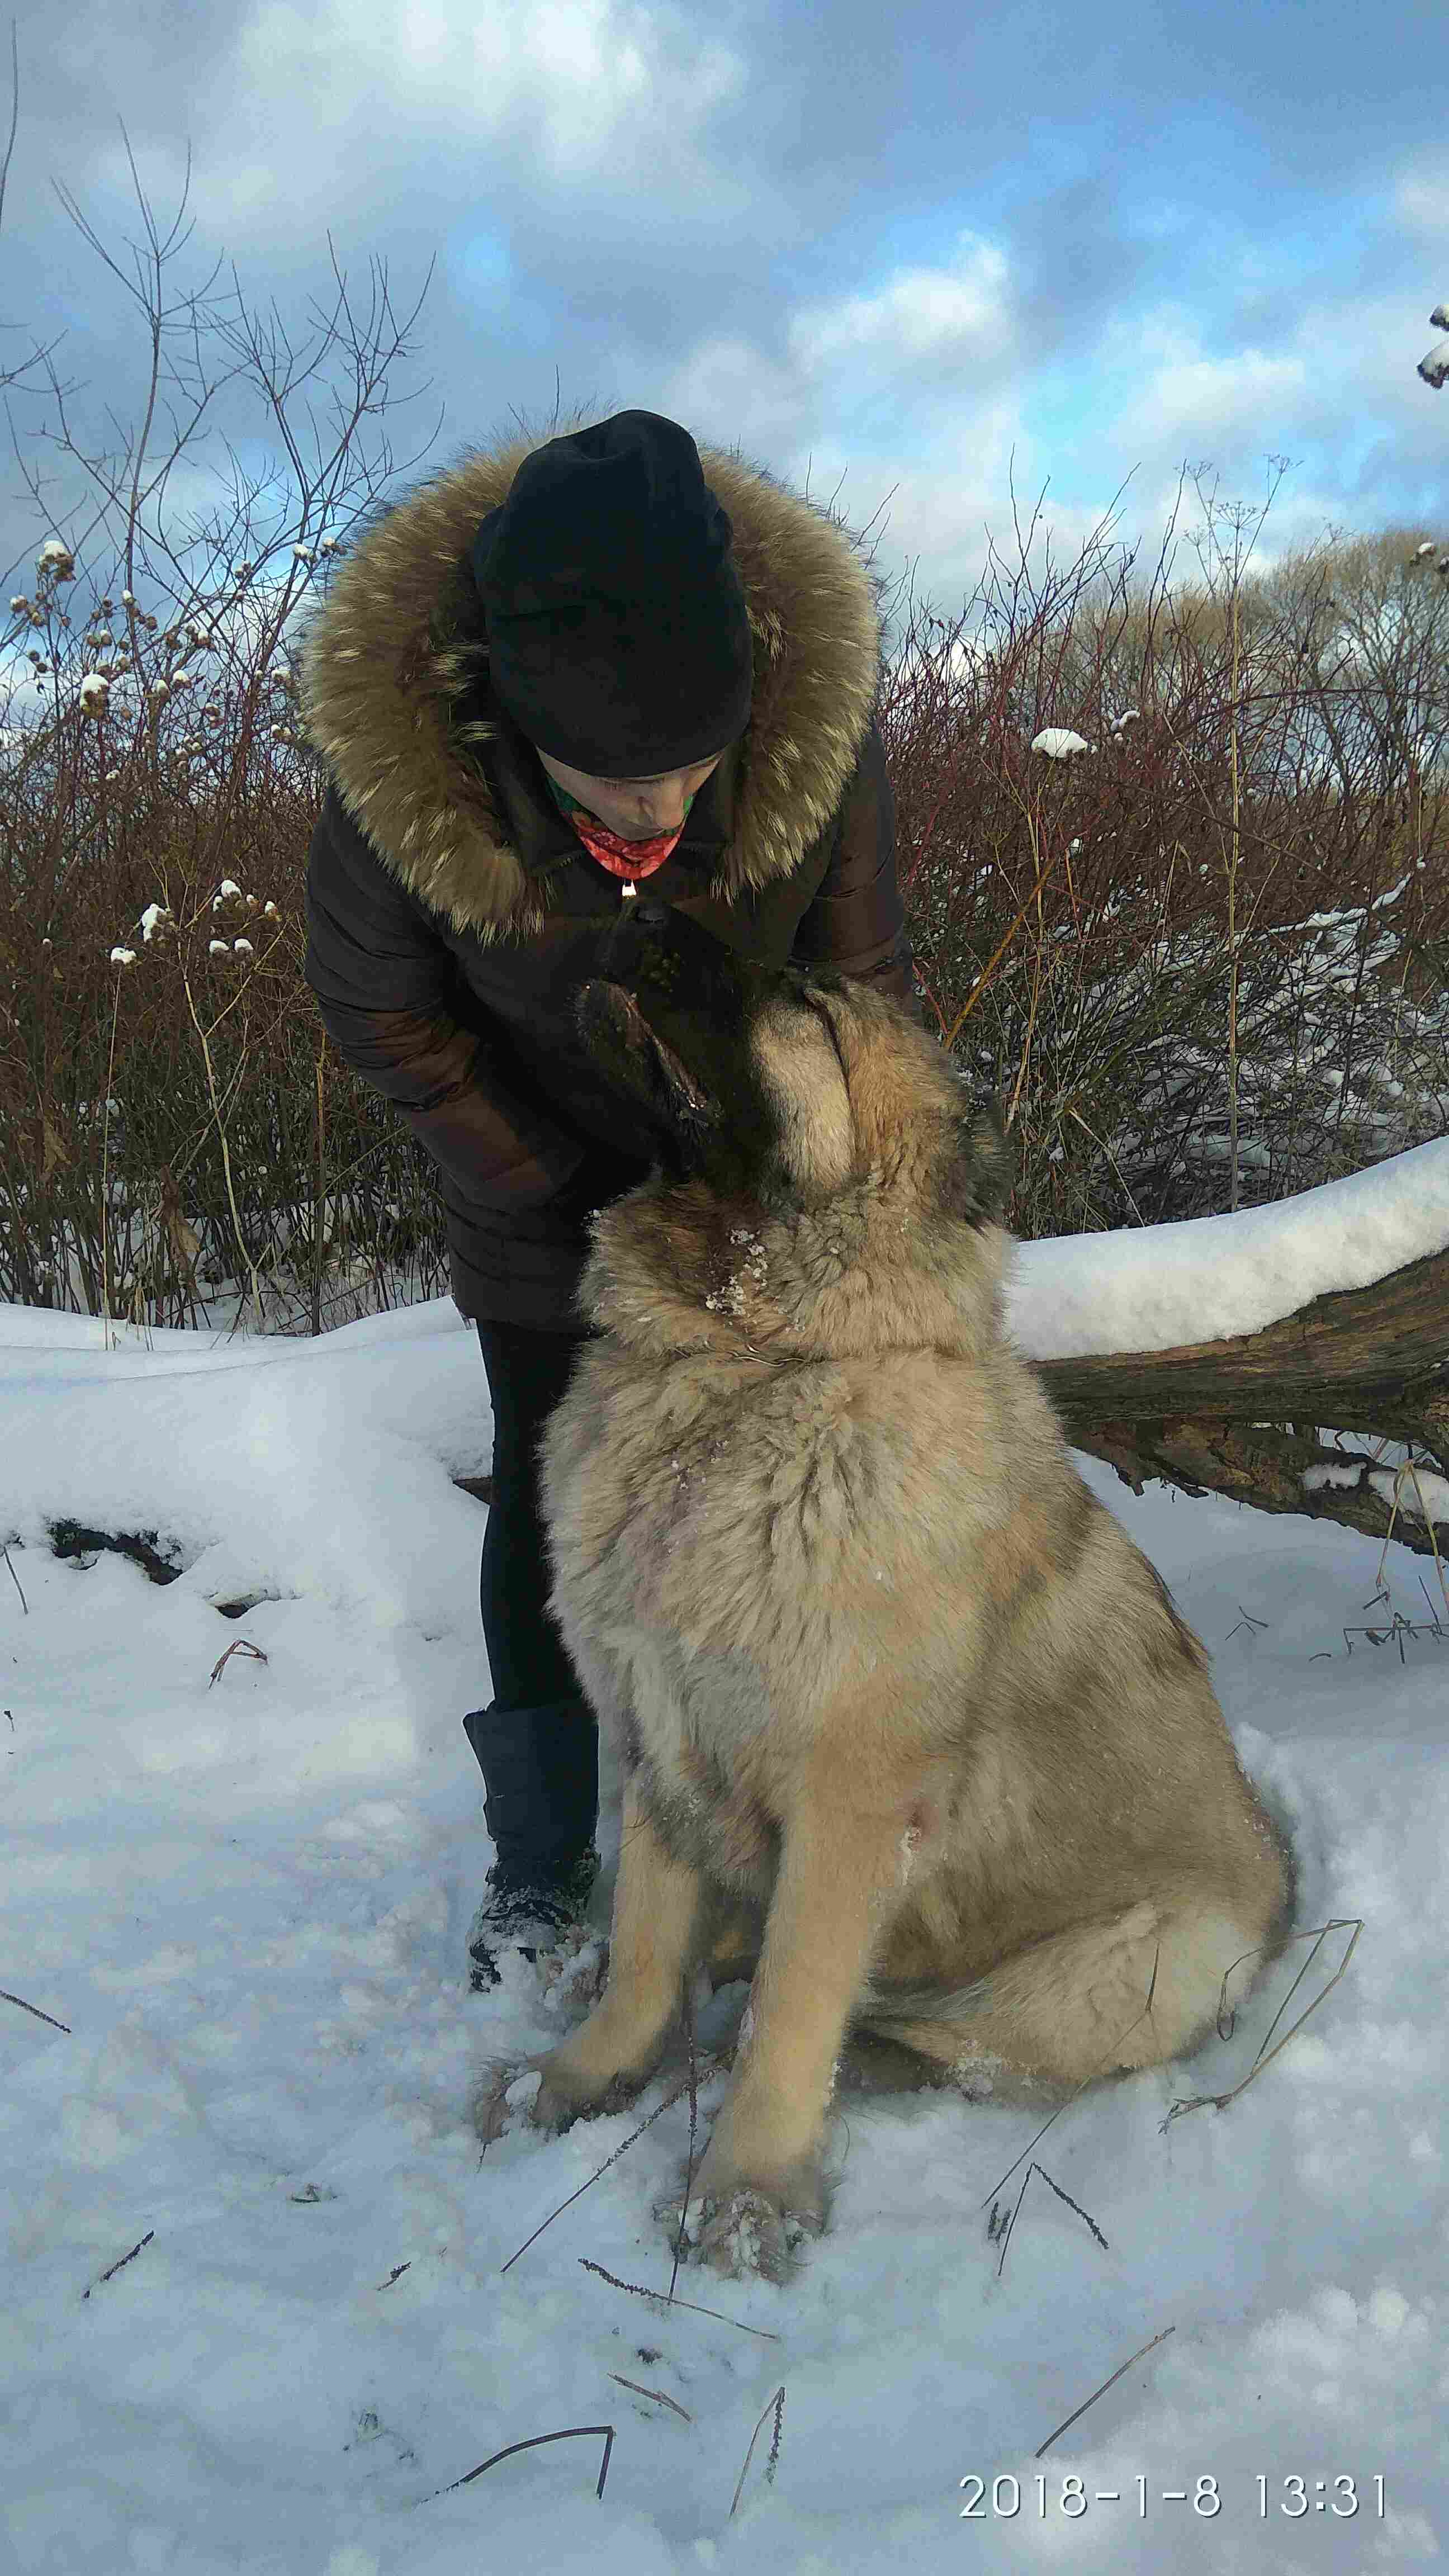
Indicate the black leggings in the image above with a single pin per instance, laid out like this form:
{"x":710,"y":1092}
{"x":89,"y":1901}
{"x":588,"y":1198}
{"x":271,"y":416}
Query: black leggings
{"x":537,"y":1744}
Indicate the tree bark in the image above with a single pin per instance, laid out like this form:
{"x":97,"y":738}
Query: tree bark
{"x":1242,"y":1417}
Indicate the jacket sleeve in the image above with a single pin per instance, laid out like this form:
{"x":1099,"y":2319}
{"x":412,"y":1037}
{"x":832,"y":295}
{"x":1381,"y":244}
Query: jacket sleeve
{"x":856,"y":921}
{"x":384,"y":982}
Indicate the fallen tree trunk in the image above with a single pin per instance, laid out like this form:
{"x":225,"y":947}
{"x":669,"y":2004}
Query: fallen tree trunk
{"x":1242,"y":1417}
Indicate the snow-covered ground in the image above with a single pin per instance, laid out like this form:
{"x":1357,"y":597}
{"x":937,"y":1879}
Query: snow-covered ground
{"x":244,"y":1887}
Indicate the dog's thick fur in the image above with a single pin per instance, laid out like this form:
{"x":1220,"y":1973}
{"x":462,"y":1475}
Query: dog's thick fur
{"x":880,"y":1670}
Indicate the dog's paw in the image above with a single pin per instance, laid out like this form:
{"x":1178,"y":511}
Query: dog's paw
{"x":741,"y":2228}
{"x":748,"y":2233}
{"x":507,"y":2098}
{"x":576,"y":1972}
{"x":503,"y":2097}
{"x":548,"y":2092}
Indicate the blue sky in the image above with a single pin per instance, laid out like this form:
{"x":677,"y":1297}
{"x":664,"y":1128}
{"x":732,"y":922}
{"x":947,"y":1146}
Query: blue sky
{"x":925,"y":250}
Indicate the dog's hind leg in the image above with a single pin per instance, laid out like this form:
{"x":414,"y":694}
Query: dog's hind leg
{"x":1099,"y":2000}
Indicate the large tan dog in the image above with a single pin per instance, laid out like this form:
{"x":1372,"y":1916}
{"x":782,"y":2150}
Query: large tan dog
{"x":877,"y":1665}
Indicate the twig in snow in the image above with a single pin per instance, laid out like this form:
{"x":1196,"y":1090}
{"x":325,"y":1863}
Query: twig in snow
{"x":535,"y":2442}
{"x":1099,"y":2069}
{"x":1102,"y":2391}
{"x":655,"y":2396}
{"x":34,"y":2008}
{"x":238,"y":1646}
{"x":641,"y":2290}
{"x":120,"y":2266}
{"x":1220,"y":2101}
{"x":693,"y":2118}
{"x":1005,"y":2232}
{"x":604,"y":2167}
{"x":778,"y":2403}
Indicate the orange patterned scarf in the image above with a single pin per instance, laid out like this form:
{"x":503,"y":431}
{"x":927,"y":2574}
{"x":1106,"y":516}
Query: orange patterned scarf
{"x":622,"y":858}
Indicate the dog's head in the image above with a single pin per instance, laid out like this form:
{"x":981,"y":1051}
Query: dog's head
{"x":780,"y":1085}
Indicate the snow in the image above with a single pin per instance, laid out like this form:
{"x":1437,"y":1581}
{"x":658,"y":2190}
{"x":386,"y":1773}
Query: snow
{"x":1058,"y":743}
{"x":1210,"y":1278}
{"x":243,"y":1882}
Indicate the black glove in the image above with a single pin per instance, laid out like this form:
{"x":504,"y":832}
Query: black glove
{"x":601,"y":1178}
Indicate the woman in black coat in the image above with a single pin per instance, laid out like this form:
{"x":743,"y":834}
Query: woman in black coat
{"x":557,"y":672}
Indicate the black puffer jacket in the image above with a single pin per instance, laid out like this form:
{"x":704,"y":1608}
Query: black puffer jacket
{"x":453,"y":913}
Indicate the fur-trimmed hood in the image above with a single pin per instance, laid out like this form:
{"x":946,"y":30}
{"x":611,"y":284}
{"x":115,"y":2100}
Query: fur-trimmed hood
{"x":396,"y":698}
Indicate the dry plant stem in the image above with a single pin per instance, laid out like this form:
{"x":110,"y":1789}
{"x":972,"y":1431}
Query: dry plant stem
{"x":1105,"y":1150}
{"x":35,"y":2008}
{"x":14,"y":119}
{"x":535,"y":2442}
{"x":949,"y":1036}
{"x":318,"y":1203}
{"x":1032,"y":825}
{"x":1041,"y":2133}
{"x":777,"y":2402}
{"x":15,"y":1579}
{"x":1087,"y":2080}
{"x":655,"y":2396}
{"x":624,"y":2143}
{"x":1265,"y":2056}
{"x":1217,"y":2101}
{"x":225,"y":1149}
{"x":1233,"y":959}
{"x":641,"y":2290}
{"x":1102,"y":2391}
{"x":105,"y":1171}
{"x":1010,"y":2228}
{"x":693,"y":2121}
{"x":110,"y":2273}
{"x":1411,"y":1471}
{"x":238,"y":1646}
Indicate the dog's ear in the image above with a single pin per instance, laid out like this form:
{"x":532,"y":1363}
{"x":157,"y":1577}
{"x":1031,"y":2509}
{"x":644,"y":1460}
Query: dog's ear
{"x":977,"y":1171}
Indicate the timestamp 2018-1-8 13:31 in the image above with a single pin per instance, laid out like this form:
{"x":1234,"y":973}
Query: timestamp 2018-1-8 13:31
{"x":1006,"y":2496}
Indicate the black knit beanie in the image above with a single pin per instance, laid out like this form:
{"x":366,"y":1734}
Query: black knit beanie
{"x":617,"y":632}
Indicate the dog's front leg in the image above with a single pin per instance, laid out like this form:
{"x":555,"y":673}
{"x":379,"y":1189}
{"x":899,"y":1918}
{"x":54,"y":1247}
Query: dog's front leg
{"x":839,"y":1872}
{"x":658,"y":1912}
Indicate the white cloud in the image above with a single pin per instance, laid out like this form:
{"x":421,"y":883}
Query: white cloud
{"x":920,"y":317}
{"x":1181,"y":394}
{"x":921,"y":333}
{"x":583,"y":85}
{"x":728,"y":390}
{"x":1421,"y":200}
{"x":936,"y":510}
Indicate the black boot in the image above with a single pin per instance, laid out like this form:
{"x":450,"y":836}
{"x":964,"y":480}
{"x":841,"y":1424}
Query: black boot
{"x":529,"y":1911}
{"x":540,"y":1767}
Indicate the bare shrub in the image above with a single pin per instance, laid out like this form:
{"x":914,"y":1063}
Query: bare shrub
{"x":172,"y":1122}
{"x":1206,"y":959}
